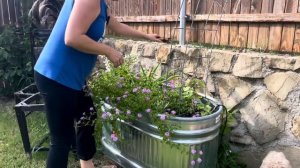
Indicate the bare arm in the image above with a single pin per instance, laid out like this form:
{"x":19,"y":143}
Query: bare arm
{"x":123,"y":29}
{"x":83,"y":14}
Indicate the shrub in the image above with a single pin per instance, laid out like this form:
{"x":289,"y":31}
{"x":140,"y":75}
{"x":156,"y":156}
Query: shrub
{"x":15,"y":63}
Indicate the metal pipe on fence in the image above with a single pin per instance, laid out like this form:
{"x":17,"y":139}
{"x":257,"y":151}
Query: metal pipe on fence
{"x":182,"y":27}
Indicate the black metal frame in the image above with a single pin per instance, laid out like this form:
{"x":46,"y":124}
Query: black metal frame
{"x":28,"y":100}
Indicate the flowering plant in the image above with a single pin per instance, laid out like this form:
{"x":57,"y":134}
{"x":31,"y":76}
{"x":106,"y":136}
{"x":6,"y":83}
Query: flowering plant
{"x":142,"y":95}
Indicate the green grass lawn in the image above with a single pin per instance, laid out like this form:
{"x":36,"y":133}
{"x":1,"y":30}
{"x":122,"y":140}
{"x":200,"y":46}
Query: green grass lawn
{"x":12,"y":154}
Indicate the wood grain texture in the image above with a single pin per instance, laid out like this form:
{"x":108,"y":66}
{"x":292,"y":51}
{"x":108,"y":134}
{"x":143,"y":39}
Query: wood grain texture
{"x":256,"y":6}
{"x":276,"y":29}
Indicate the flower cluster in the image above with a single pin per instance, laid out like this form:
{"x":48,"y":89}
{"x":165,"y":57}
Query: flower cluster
{"x":141,"y":95}
{"x":197,"y":156}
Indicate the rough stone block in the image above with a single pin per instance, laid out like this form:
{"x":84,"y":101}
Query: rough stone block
{"x":220,"y":61}
{"x":296,"y":127}
{"x":233,"y":90}
{"x":163,"y":54}
{"x":263,"y":118}
{"x":249,"y":66}
{"x":280,"y":62}
{"x":282,"y":83}
{"x":137,"y":49}
{"x":149,"y":50}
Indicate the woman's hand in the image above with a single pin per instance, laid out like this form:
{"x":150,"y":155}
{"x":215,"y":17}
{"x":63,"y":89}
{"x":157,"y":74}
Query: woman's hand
{"x":115,"y":57}
{"x":153,"y":37}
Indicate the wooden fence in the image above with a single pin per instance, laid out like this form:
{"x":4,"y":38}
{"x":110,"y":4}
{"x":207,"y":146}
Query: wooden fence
{"x":10,"y":12}
{"x":259,"y":24}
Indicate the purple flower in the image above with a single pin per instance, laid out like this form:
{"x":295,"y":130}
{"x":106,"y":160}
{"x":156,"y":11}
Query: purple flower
{"x":194,"y":151}
{"x":91,"y":109}
{"x":167,"y":134}
{"x":140,"y":115}
{"x":200,"y":152}
{"x":119,"y":85}
{"x":128,"y":112}
{"x":199,"y":160}
{"x":145,"y":90}
{"x":126,"y":93}
{"x":148,"y":110}
{"x":135,"y":90}
{"x":118,"y":98}
{"x":173,"y":112}
{"x":193,"y":162}
{"x":114,"y":137}
{"x":104,"y":116}
{"x":122,"y":78}
{"x":171,"y":84}
{"x":125,"y":96}
{"x":163,"y":117}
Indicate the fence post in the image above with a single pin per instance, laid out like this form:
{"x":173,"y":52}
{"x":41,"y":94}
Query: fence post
{"x":182,"y":27}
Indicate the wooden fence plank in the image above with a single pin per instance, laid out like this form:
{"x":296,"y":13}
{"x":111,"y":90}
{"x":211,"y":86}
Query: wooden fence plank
{"x":208,"y":27}
{"x":1,"y":14}
{"x":276,"y":29}
{"x":264,"y":29}
{"x":253,"y":27}
{"x":243,"y":27}
{"x":12,"y":12}
{"x":296,"y":46}
{"x":234,"y":28}
{"x":288,"y":30}
{"x":224,"y":37}
{"x":5,"y":12}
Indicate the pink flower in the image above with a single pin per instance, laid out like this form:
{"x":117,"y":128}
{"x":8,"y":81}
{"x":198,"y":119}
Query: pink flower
{"x":199,"y":160}
{"x":163,"y":117}
{"x":193,"y":162}
{"x":167,"y":134}
{"x":114,"y":137}
{"x":104,"y":116}
{"x":173,"y":112}
{"x":194,"y":151}
{"x":171,"y":84}
{"x":135,"y":90}
{"x":125,"y":96}
{"x":140,"y":115}
{"x":118,"y":98}
{"x":200,"y":152}
{"x":148,"y":111}
{"x":128,"y":112}
{"x":145,"y":90}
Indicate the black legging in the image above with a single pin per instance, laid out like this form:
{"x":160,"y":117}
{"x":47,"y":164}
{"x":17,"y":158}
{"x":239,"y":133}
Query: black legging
{"x":64,"y":107}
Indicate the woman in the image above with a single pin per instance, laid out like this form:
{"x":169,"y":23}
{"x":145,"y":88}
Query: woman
{"x":62,"y":68}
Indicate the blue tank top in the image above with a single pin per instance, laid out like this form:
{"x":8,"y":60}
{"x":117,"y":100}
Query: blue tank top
{"x":64,"y":64}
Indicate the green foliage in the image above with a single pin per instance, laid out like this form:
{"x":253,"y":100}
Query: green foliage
{"x":226,"y":157}
{"x":15,"y":64}
{"x":144,"y":96}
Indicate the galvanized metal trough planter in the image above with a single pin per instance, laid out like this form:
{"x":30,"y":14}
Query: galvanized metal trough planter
{"x":143,"y":146}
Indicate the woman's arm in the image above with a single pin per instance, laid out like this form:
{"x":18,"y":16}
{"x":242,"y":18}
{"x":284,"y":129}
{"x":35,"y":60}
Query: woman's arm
{"x":83,"y":14}
{"x":123,"y":29}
